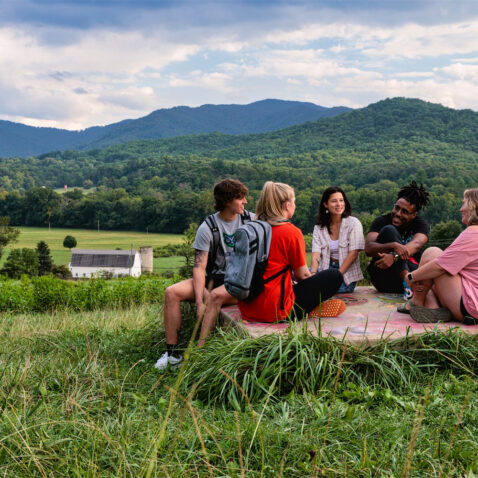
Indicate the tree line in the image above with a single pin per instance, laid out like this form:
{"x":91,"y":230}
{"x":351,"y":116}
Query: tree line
{"x":174,"y":211}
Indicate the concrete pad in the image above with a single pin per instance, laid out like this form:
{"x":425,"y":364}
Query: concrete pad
{"x":371,"y":316}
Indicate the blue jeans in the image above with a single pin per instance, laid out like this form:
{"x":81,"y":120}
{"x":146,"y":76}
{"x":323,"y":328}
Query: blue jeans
{"x":343,"y":288}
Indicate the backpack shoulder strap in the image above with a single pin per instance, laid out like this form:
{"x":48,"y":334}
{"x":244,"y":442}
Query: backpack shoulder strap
{"x":245,"y":217}
{"x":216,"y":242}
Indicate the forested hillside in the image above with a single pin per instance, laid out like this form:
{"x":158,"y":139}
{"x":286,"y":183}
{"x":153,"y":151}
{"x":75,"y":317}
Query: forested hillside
{"x":267,"y":115}
{"x":163,"y":185}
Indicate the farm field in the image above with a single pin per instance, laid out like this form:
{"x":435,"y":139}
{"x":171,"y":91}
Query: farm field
{"x":92,"y":239}
{"x":79,"y":397}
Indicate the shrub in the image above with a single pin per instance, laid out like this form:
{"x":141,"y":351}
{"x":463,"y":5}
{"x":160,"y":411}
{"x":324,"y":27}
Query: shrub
{"x":61,"y":271}
{"x":16,"y":295}
{"x":69,"y":242}
{"x":21,"y":262}
{"x":50,"y":293}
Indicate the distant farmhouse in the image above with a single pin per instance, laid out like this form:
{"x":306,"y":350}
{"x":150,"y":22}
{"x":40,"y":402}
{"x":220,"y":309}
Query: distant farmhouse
{"x":117,"y":263}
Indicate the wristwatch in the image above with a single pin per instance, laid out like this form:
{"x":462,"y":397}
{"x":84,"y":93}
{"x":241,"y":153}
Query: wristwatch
{"x":395,"y":256}
{"x":409,"y":277}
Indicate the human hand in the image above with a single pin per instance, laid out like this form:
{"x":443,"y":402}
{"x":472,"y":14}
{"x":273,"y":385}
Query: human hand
{"x":200,"y":309}
{"x":401,"y":250}
{"x":385,"y":261}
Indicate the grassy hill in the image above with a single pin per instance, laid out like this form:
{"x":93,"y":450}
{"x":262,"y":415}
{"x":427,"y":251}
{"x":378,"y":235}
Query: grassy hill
{"x":80,"y":397}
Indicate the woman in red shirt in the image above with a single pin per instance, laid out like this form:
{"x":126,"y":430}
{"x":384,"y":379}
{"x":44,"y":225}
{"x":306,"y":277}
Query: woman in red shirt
{"x":281,"y":299}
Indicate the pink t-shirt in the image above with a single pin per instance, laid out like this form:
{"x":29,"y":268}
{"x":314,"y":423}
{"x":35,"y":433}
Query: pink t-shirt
{"x":461,"y":257}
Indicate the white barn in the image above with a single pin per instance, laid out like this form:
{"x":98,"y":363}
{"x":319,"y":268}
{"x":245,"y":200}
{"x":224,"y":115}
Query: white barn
{"x":93,"y":262}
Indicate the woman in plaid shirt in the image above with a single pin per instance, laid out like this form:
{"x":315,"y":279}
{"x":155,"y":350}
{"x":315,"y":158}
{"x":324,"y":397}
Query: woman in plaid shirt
{"x":337,"y":238}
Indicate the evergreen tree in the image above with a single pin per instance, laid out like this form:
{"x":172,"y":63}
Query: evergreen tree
{"x":8,"y":234}
{"x":21,"y":262}
{"x":45,"y":261}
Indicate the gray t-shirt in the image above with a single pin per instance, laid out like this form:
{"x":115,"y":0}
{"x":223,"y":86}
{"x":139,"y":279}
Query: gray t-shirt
{"x":227,"y":231}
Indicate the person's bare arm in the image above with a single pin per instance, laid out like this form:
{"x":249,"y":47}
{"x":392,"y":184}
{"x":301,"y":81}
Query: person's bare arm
{"x":314,"y":263}
{"x":430,"y":270}
{"x":302,"y":273}
{"x":417,"y":242}
{"x":374,"y":248}
{"x":348,"y":261}
{"x":199,"y":279}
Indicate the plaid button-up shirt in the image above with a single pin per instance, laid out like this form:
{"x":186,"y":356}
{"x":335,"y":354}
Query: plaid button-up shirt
{"x":350,"y":239}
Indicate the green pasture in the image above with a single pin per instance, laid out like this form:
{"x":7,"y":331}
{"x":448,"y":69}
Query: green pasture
{"x":92,"y":239}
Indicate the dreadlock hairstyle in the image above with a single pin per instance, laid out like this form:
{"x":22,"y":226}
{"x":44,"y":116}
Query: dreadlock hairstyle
{"x":414,"y":194}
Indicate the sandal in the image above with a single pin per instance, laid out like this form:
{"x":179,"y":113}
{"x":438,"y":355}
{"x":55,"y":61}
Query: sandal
{"x":329,"y":308}
{"x":423,"y":315}
{"x":402,"y":308}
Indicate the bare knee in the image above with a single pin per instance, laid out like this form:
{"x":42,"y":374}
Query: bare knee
{"x":178,"y":292}
{"x":170,"y":294}
{"x":219,"y":296}
{"x":216,"y":297}
{"x":430,"y":254}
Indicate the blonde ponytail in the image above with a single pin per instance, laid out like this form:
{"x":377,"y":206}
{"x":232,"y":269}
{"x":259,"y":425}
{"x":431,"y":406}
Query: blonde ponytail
{"x":272,"y":200}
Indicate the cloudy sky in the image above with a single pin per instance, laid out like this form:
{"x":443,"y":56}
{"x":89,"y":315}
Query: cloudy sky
{"x":77,"y":63}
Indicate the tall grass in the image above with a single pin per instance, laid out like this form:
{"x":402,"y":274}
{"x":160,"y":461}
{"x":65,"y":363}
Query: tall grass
{"x":79,"y":397}
{"x":298,"y":362}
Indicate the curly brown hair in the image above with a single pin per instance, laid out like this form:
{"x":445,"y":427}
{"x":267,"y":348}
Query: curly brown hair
{"x":227,"y":190}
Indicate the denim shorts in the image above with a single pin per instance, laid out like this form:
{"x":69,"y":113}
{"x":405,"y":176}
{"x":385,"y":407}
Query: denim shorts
{"x":343,"y":288}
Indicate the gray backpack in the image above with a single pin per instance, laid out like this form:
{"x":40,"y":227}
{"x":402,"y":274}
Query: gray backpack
{"x":244,"y":277}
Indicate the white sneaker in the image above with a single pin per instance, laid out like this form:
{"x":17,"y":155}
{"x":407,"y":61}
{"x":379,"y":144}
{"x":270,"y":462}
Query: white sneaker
{"x":166,"y":360}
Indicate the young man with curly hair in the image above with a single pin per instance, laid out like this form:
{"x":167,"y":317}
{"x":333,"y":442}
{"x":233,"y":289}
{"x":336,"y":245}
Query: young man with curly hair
{"x":213,"y":245}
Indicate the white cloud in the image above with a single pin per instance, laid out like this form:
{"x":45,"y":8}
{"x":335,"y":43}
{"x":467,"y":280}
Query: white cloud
{"x":72,"y":78}
{"x":105,"y":66}
{"x":414,"y":74}
{"x":418,"y":41}
{"x":460,"y":71}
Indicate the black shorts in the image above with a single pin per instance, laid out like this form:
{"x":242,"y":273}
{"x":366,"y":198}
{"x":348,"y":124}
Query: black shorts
{"x":468,"y":319}
{"x":214,"y":281}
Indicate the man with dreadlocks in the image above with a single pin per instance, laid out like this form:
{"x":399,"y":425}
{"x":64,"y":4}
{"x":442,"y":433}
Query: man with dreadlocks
{"x":395,"y":239}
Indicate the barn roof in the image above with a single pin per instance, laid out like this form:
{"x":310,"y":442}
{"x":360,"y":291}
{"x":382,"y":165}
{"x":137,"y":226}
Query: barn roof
{"x":102,"y":258}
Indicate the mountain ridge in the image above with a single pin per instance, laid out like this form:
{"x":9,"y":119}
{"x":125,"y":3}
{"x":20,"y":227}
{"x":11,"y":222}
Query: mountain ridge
{"x":17,"y":139}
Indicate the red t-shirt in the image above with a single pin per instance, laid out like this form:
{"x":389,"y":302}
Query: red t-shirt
{"x":287,"y":248}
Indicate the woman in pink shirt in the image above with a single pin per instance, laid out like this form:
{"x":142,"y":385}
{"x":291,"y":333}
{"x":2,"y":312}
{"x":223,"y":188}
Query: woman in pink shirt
{"x":445,"y":286}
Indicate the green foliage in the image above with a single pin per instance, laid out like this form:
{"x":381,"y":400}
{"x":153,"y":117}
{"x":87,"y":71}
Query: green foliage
{"x":444,"y":233}
{"x":165,"y":185}
{"x":21,"y":262}
{"x":168,"y":250}
{"x":45,"y":262}
{"x":49,"y":293}
{"x":186,"y":250}
{"x":308,"y":242}
{"x":60,"y":271}
{"x":276,"y":366}
{"x":69,"y":242}
{"x":8,"y":234}
{"x":80,"y":397}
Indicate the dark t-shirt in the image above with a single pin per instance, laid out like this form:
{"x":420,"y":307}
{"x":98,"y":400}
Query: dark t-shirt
{"x":417,"y":225}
